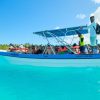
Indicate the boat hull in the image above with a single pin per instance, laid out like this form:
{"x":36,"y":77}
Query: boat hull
{"x":51,"y":56}
{"x":50,"y":60}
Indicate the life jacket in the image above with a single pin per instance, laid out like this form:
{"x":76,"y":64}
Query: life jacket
{"x":60,"y":49}
{"x":82,"y":42}
{"x":64,"y":49}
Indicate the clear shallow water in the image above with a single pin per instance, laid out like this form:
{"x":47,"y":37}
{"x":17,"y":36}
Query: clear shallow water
{"x":22,"y":80}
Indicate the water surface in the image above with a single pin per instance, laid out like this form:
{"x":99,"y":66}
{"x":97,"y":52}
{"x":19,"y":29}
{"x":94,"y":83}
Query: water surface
{"x":20,"y":79}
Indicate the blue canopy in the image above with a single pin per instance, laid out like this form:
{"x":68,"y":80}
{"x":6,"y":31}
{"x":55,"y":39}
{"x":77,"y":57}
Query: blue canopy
{"x":63,"y":32}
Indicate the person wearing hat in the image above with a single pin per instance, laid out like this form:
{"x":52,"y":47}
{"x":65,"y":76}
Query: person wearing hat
{"x":93,"y":35}
{"x":81,"y":42}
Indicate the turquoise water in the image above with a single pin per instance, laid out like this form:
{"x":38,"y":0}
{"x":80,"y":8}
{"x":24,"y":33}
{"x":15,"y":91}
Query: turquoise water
{"x":20,"y":80}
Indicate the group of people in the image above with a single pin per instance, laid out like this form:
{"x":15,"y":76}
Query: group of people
{"x":40,"y":49}
{"x":94,"y":29}
{"x":21,"y":48}
{"x":51,"y":49}
{"x":81,"y":48}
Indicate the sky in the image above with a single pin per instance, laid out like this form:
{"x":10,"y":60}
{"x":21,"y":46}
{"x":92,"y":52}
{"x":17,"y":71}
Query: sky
{"x":20,"y":18}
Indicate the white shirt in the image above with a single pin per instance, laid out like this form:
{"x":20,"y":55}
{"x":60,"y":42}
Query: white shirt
{"x":21,"y":46}
{"x":92,"y":31}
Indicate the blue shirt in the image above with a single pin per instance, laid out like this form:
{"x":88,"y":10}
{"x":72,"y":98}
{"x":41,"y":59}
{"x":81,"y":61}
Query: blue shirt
{"x":92,"y":31}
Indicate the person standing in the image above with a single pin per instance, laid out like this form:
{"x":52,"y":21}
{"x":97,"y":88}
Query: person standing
{"x":93,"y":35}
{"x":81,"y":42}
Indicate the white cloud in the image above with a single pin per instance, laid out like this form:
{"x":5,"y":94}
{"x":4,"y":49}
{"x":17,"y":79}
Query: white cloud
{"x":97,"y":15}
{"x":70,"y":39}
{"x":96,"y":1}
{"x":81,"y":16}
{"x":57,"y":27}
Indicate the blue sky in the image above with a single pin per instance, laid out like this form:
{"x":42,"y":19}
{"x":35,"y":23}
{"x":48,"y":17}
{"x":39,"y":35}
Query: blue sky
{"x":19,"y":18}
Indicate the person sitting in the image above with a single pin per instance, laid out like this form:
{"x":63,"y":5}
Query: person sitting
{"x":76,"y":48}
{"x":49,"y":49}
{"x":11,"y":48}
{"x":62,"y":49}
{"x":22,"y":48}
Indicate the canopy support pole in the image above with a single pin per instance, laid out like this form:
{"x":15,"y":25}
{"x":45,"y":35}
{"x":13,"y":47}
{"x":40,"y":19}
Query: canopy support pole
{"x":44,"y":50}
{"x":49,"y":44}
{"x":62,"y":41}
